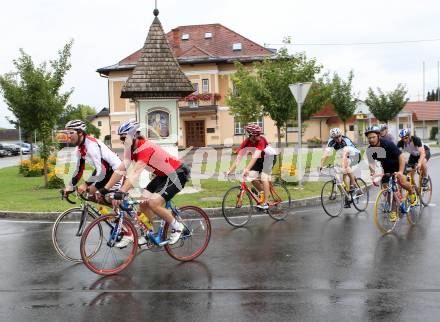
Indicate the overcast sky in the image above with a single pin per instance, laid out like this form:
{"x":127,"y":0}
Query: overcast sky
{"x":105,"y":31}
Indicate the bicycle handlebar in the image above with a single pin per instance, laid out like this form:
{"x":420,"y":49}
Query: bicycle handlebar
{"x":67,"y":197}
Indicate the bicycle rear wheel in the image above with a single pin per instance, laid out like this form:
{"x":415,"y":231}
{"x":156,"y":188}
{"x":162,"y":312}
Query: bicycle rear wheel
{"x":67,"y":232}
{"x":194,"y":239}
{"x":237,"y":207}
{"x":426,"y":193}
{"x":279,"y":201}
{"x":386,"y":203}
{"x":107,"y":260}
{"x":332,"y":198}
{"x":360,"y":201}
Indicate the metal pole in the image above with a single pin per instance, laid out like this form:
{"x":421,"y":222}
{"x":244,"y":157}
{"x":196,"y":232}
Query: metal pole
{"x":19,"y":138}
{"x":438,"y":100}
{"x":423,"y":94}
{"x":299,"y":135}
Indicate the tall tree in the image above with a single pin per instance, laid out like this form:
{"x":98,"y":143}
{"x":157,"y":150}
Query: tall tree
{"x":342,"y":98}
{"x":243,"y":99}
{"x":81,"y":112}
{"x":386,"y":106}
{"x":33,"y":95}
{"x":275,"y":76}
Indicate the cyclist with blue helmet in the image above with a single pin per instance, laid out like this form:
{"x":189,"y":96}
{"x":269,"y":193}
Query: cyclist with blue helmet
{"x":170,"y":177}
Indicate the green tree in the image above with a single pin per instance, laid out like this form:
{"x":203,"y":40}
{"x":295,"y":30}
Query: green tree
{"x":33,"y":94}
{"x":275,"y":76}
{"x":243,"y":99}
{"x":386,"y":106}
{"x":342,"y":99}
{"x":81,"y":112}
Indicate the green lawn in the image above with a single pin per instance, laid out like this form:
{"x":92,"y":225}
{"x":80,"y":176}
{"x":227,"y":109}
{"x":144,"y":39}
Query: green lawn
{"x":18,"y":193}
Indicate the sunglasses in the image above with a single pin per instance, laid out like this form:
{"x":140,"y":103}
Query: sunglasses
{"x":70,"y":133}
{"x":405,"y":138}
{"x":122,"y":138}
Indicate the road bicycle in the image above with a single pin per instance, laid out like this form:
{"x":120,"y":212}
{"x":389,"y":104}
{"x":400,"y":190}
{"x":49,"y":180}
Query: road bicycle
{"x":99,"y":243}
{"x":238,"y":203}
{"x":425,"y":193}
{"x":392,"y":203}
{"x":70,"y":225}
{"x":336,"y":194}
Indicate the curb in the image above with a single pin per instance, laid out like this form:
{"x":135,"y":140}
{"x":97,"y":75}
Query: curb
{"x":211,"y":212}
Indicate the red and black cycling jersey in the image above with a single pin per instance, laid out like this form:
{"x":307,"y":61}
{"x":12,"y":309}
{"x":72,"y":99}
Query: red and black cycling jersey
{"x":157,"y":160}
{"x":98,"y":155}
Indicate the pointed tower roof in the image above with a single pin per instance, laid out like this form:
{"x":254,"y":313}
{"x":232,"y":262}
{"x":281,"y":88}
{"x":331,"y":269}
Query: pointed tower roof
{"x":157,"y":73}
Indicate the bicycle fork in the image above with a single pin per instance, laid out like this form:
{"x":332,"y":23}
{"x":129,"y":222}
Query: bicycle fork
{"x":83,"y":220}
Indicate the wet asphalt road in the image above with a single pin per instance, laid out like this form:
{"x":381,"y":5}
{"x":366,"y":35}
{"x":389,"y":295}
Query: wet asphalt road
{"x":309,"y":268}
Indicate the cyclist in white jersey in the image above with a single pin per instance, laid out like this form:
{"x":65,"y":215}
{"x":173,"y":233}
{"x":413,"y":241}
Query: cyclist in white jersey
{"x":96,"y":153}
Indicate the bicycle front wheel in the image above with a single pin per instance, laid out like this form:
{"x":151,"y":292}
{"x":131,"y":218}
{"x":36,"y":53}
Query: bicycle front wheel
{"x":67,"y":232}
{"x":426,"y":193}
{"x":361,"y":196}
{"x":415,"y":212}
{"x":386,"y":203}
{"x":107,"y":259}
{"x":237,"y":207}
{"x":279,"y":201}
{"x":332,"y":199}
{"x":195,"y":237}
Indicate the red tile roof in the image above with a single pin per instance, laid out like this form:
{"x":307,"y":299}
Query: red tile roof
{"x":198,"y":48}
{"x":424,"y":111}
{"x":326,"y":112}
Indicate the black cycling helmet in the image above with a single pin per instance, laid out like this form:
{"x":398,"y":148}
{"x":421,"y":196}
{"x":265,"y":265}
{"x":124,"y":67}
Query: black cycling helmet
{"x":372,"y":129}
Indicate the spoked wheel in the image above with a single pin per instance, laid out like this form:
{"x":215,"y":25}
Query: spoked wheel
{"x":195,"y":238}
{"x":361,"y":196}
{"x":386,"y":206}
{"x":332,"y":199}
{"x":426,"y":193}
{"x":415,"y":212}
{"x":237,"y":207}
{"x":279,"y":201}
{"x":107,"y":259}
{"x":68,"y":230}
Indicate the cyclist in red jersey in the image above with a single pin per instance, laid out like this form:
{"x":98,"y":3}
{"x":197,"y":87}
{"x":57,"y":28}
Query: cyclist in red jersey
{"x":262,"y":162}
{"x":170,"y":178}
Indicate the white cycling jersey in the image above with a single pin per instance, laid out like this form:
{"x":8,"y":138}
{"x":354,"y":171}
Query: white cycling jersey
{"x":96,"y":154}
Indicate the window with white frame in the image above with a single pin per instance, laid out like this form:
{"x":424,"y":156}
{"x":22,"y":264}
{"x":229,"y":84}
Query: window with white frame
{"x":185,"y":36}
{"x":239,"y":129}
{"x":205,"y":85}
{"x":208,"y":35}
{"x":196,"y":88}
{"x":236,"y":46}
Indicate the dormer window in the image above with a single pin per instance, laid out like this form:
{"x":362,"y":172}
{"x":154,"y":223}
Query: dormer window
{"x":185,"y":36}
{"x":236,"y":46}
{"x":208,"y":35}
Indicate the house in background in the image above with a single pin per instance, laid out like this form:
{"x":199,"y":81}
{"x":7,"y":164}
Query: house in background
{"x":102,"y":121}
{"x":426,"y":115}
{"x":206,"y":54}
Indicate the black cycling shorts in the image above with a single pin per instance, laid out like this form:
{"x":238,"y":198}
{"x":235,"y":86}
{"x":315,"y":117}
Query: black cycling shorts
{"x":168,"y":186}
{"x":412,"y":160}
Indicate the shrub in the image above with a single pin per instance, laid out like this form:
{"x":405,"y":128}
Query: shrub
{"x":54,"y":182}
{"x":314,"y":140}
{"x":433,"y":134}
{"x":31,"y":168}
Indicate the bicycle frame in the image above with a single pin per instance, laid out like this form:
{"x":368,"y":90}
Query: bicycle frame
{"x":126,"y":208}
{"x":244,"y":187}
{"x":337,"y":180}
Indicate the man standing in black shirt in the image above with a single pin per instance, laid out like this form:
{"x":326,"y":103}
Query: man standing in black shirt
{"x":390,"y":157}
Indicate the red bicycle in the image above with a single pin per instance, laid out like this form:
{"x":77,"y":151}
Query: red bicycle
{"x":238,"y":203}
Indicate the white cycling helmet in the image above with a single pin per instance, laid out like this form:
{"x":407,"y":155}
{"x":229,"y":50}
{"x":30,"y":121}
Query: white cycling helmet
{"x":77,"y":125}
{"x":383,"y":126}
{"x":129,"y":128}
{"x":335,"y":132}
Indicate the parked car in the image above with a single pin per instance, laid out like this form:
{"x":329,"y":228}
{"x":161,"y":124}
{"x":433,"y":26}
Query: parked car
{"x":25,"y":147}
{"x":3,"y":153}
{"x":12,"y":148}
{"x":6,"y":152}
